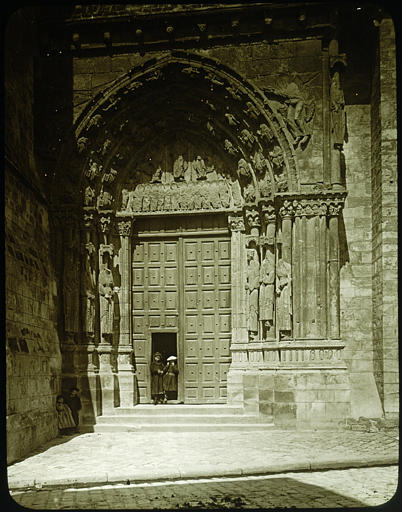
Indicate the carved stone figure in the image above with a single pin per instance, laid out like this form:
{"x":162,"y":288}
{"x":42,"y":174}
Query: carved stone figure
{"x":93,"y":170}
{"x":267,"y":279}
{"x":266,"y":132}
{"x":252,"y":286}
{"x":88,"y":290}
{"x":337,"y":111}
{"x":104,"y":199}
{"x":243,"y":168}
{"x":110,"y":176}
{"x":157,"y":176}
{"x":284,"y":297}
{"x":89,"y":196}
{"x":179,"y":168}
{"x":230,"y":148}
{"x":106,"y":298}
{"x":125,"y":195}
{"x":82,"y":144}
{"x":200,"y":169}
{"x":224,"y":194}
{"x":231,"y":119}
{"x":249,"y":193}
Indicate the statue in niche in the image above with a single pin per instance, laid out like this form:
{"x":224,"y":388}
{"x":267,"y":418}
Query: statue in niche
{"x":231,"y":119}
{"x":157,"y":175}
{"x":105,"y":199}
{"x":82,"y":144}
{"x":146,"y":201}
{"x":89,"y":196}
{"x":265,"y":186}
{"x":230,"y":148}
{"x":179,"y":168}
{"x":252,"y":287}
{"x":125,"y":196}
{"x":106,"y":297}
{"x":236,"y":193}
{"x":251,"y":110}
{"x":71,"y":287}
{"x":110,"y":176}
{"x":259,"y":161}
{"x":224,"y":194}
{"x":243,"y":168}
{"x":199,"y":168}
{"x":246,"y":137}
{"x":88,"y":284}
{"x":266,"y":132}
{"x":249,"y":193}
{"x":337,"y":104}
{"x":93,"y":170}
{"x":267,"y":280}
{"x":284,"y":298}
{"x":136,"y":199}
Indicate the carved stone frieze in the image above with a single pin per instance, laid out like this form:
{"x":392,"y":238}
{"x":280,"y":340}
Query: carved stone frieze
{"x":124,"y":227}
{"x":253,"y":218}
{"x":236,"y":223}
{"x":287,"y":209}
{"x":310,"y":207}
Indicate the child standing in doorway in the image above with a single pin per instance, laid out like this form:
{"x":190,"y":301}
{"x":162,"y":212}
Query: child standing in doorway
{"x":170,"y":378}
{"x":74,"y":402}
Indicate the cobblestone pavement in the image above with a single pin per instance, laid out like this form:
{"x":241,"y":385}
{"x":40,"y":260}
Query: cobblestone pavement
{"x":140,"y":456}
{"x":324,"y":489}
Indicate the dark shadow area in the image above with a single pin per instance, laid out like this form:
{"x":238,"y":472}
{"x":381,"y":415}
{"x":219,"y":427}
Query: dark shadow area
{"x":343,"y":244}
{"x":165,"y":343}
{"x":262,"y":493}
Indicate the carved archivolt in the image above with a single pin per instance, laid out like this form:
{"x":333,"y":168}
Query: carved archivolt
{"x":255,"y":132}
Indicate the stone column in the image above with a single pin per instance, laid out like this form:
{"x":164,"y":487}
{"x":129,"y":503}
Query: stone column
{"x":284,"y":285}
{"x":337,"y":113}
{"x":106,"y":375}
{"x":126,"y":375}
{"x":238,"y":304}
{"x":334,"y":209}
{"x":267,"y":292}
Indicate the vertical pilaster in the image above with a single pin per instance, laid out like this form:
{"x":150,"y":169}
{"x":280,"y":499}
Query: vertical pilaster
{"x":238,"y":273}
{"x":333,"y":270}
{"x":284,"y":285}
{"x":337,"y":63}
{"x":126,"y":375}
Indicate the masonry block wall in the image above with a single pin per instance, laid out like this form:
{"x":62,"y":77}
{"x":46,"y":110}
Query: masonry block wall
{"x":385,"y":229}
{"x":356,"y":267}
{"x":33,"y":361}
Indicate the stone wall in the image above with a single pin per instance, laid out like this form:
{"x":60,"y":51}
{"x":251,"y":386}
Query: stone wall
{"x":385,"y":239}
{"x":356,"y":267}
{"x":32,"y":349}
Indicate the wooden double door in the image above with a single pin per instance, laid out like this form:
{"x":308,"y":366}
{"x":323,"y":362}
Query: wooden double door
{"x":182,"y":291}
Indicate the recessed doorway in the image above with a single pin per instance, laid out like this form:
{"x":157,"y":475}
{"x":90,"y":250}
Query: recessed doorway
{"x":166,"y":344}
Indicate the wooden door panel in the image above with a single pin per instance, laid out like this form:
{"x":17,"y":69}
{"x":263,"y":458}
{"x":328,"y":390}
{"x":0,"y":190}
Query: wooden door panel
{"x":207,"y":317}
{"x":154,"y":298}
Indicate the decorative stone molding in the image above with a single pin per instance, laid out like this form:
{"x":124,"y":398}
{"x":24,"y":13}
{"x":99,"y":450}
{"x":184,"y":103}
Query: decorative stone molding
{"x":104,"y":223}
{"x":124,"y":227}
{"x":253,"y":218}
{"x":236,"y":223}
{"x":286,"y":210}
{"x":310,"y":207}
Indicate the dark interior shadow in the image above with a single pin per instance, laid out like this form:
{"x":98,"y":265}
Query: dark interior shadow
{"x":343,"y":244}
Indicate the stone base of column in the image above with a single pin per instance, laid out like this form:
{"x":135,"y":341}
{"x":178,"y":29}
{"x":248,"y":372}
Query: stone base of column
{"x":107,"y":379}
{"x":298,"y":384}
{"x":90,"y":393}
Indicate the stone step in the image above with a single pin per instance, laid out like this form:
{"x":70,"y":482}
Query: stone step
{"x":174,"y":409}
{"x":179,"y":419}
{"x":180,"y":427}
